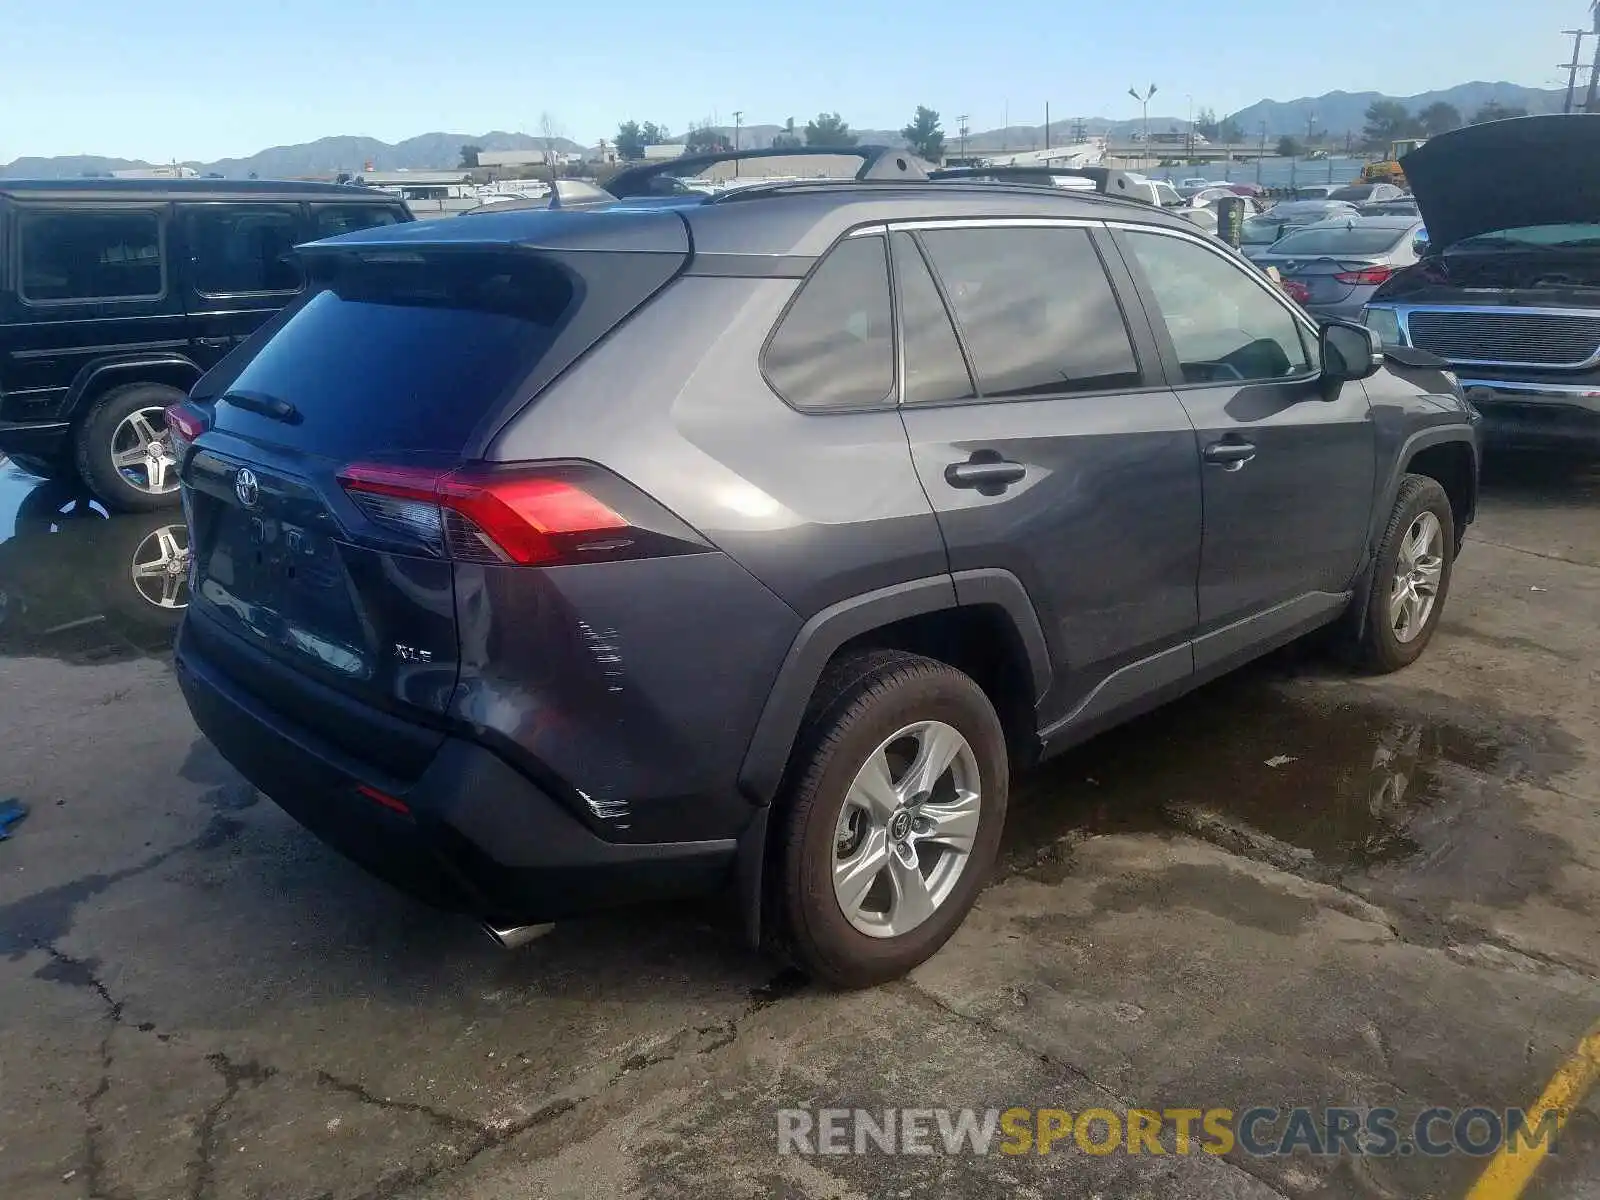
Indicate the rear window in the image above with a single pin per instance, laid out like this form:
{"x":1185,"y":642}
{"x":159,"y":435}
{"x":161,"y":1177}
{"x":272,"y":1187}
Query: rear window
{"x":1351,"y":193}
{"x":402,"y":355}
{"x":1341,"y":240}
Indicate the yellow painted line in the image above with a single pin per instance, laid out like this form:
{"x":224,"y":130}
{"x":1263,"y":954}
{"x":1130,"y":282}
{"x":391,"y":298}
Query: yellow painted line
{"x":1511,"y":1170}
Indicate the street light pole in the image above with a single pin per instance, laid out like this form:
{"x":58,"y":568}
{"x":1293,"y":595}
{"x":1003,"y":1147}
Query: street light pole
{"x":1144,"y":108}
{"x":961,"y":127}
{"x":1190,"y":139}
{"x":738,"y":116}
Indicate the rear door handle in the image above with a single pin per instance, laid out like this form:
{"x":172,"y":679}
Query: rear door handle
{"x":213,"y":343}
{"x":1230,"y":456}
{"x":984,"y":474}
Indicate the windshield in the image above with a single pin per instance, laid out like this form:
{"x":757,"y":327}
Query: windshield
{"x":1342,"y":239}
{"x":1536,"y":236}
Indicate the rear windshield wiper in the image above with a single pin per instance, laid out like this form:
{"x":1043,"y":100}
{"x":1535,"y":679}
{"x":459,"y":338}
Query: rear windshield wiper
{"x":260,"y":402}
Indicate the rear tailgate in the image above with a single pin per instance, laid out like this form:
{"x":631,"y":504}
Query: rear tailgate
{"x":402,"y":358}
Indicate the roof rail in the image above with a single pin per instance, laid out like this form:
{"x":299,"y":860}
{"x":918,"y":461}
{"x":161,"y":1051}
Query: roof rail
{"x":877,"y":163}
{"x":1107,"y":180}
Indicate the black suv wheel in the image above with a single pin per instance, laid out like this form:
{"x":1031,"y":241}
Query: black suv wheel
{"x":894,"y":818}
{"x":122,"y":448}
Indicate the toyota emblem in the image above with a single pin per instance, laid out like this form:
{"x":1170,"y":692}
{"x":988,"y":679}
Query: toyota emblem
{"x":246,"y":488}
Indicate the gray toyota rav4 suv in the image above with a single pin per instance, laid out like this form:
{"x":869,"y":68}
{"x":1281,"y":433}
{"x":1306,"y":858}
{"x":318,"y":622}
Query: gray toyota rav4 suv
{"x":546,"y":561}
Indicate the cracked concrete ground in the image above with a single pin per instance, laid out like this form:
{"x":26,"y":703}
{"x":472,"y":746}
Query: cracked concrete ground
{"x":199,"y":1001}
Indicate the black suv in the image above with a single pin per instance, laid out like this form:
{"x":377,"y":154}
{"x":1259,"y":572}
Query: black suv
{"x":550,"y":561}
{"x":117,"y":294}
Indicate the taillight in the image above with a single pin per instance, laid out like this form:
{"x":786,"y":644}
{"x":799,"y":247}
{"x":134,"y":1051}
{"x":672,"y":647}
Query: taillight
{"x":543,"y":515}
{"x":1366,"y":276}
{"x":184,"y":424}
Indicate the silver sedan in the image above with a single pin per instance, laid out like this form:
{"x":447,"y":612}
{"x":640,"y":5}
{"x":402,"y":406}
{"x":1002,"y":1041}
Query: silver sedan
{"x":1340,"y":263}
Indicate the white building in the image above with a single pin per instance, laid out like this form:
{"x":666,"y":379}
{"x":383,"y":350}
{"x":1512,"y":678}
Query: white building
{"x":169,"y":172}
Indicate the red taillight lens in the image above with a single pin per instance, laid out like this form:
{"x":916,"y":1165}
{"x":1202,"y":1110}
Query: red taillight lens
{"x":532,"y":517}
{"x":184,"y":424}
{"x":1366,"y":276}
{"x":1297,"y":292}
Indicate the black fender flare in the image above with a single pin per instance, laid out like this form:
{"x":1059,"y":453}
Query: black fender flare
{"x":820,"y":637}
{"x":94,"y":375}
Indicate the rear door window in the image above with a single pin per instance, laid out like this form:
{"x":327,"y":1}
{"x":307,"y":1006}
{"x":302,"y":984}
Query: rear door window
{"x":935,"y":371}
{"x":245,"y":250}
{"x":331,"y":220}
{"x":1035,"y":309}
{"x":834,"y":348}
{"x":90,"y":255}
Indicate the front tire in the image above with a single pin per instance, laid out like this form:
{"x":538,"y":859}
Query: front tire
{"x":122,"y":449}
{"x":1410,"y":578}
{"x":893,"y":819}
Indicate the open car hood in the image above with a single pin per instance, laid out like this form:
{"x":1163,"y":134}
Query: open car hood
{"x":1507,"y":174}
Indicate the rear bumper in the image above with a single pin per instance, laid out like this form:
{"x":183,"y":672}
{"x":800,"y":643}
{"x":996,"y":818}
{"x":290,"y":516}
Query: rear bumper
{"x":39,"y":439}
{"x":477,"y":835}
{"x":1536,"y":414}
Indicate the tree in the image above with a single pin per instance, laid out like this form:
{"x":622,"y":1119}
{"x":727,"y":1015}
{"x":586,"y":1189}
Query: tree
{"x":1387,"y":120}
{"x":788,"y":139}
{"x":706,"y":140}
{"x":1228,"y":132}
{"x":1495,"y":111}
{"x":1289,"y":147}
{"x":469,"y":155}
{"x":829,"y":130}
{"x":653,"y":134}
{"x":1206,"y":123}
{"x":630,"y":142}
{"x":1439,"y":117}
{"x":924,"y":135}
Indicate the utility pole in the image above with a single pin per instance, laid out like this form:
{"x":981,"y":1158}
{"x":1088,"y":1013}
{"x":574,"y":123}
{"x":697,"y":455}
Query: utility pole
{"x":1589,"y":104}
{"x":738,"y":117}
{"x":961,"y":126}
{"x":1311,"y":130}
{"x":1144,"y":107}
{"x":1047,"y":124}
{"x":1263,"y":154}
{"x":1577,"y":36}
{"x":1189,"y":139}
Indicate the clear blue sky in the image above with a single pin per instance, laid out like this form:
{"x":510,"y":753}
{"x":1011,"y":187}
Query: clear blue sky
{"x":202,"y":79}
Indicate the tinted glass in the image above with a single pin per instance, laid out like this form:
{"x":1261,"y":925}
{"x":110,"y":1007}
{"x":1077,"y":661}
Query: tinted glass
{"x":91,"y":255}
{"x":1358,"y":192}
{"x":1341,"y":240}
{"x":835,"y":346}
{"x":237,"y":249}
{"x":1260,"y":231}
{"x":935,"y":370}
{"x":330,"y":220}
{"x":1224,"y":324}
{"x":1035,"y":308}
{"x":404,"y":355}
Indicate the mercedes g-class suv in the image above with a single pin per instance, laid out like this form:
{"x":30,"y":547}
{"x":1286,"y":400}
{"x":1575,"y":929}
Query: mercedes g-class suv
{"x":546,"y":561}
{"x":1508,"y":289}
{"x":117,"y":294}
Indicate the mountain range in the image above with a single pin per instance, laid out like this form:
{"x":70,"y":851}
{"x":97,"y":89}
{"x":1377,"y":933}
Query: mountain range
{"x":1334,"y":113}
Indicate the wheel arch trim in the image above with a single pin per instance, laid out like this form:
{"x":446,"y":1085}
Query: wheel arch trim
{"x":821,"y":636}
{"x":93,"y":376}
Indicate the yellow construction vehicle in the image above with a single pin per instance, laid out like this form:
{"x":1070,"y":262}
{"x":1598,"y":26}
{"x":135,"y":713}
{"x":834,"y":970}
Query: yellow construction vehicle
{"x":1388,"y":170}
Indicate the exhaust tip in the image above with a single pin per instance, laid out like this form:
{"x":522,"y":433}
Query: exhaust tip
{"x":512,"y":937}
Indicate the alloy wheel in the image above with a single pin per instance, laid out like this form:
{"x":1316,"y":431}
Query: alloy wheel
{"x":906,"y":829}
{"x":1418,"y":570}
{"x":161,"y":567}
{"x":142,"y":453}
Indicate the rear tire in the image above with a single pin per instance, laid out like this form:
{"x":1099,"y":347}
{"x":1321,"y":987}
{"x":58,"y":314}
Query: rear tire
{"x":866,"y":815}
{"x":1410,"y":579}
{"x":122,"y":450}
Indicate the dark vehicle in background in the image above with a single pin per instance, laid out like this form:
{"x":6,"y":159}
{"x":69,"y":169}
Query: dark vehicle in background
{"x":117,"y":294}
{"x":550,"y":561}
{"x":1262,"y":230}
{"x":1508,"y":289}
{"x":1367,"y":193}
{"x":1342,"y":263}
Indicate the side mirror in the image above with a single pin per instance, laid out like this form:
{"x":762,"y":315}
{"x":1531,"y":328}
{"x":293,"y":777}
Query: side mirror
{"x":1350,"y":352}
{"x":1419,"y":244}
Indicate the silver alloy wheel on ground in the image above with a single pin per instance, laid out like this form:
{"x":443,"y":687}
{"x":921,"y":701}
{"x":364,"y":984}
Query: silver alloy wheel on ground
{"x":1417,"y":573}
{"x":141,"y":451}
{"x":161,"y":567}
{"x":906,"y":829}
